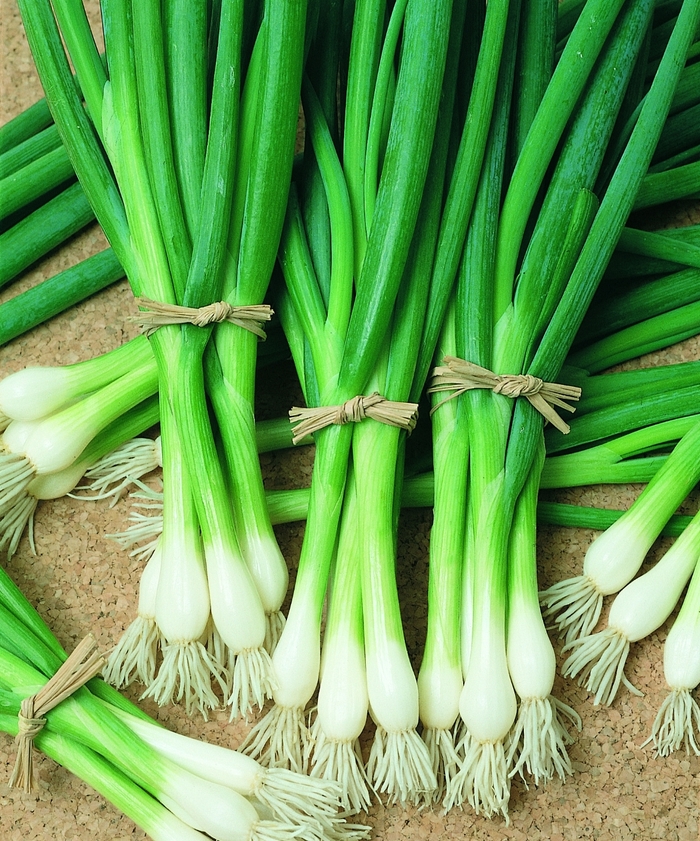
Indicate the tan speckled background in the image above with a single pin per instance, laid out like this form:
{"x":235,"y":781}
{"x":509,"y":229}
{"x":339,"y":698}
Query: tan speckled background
{"x":80,"y":582}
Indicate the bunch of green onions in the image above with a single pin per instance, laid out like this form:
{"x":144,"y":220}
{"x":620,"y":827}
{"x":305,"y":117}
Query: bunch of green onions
{"x":189,"y":207}
{"x":172,"y":786}
{"x":462,"y":189}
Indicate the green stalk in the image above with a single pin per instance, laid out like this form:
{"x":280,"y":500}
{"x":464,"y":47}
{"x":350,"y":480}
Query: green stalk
{"x":90,"y":71}
{"x":659,"y":187}
{"x":578,"y":516}
{"x":340,"y":215}
{"x":34,"y":180}
{"x":149,"y":58}
{"x":535,"y":64}
{"x":57,"y":294}
{"x":643,"y":384}
{"x":143,"y":809}
{"x":365,"y":51}
{"x":684,"y":157}
{"x":569,"y":78}
{"x":24,"y":126}
{"x":42,"y":230}
{"x":655,"y":333}
{"x":403,"y":176}
{"x":613,"y":312}
{"x":74,"y":126}
{"x":569,"y":205}
{"x":616,"y":419}
{"x":464,"y":180}
{"x":650,"y":244}
{"x":382,"y":102}
{"x":124,"y":147}
{"x":271,"y":163}
{"x":32,"y":149}
{"x":185,"y":25}
{"x":680,"y":133}
{"x":614,"y":210}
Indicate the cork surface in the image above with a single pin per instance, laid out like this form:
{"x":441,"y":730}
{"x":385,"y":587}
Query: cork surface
{"x":80,"y":581}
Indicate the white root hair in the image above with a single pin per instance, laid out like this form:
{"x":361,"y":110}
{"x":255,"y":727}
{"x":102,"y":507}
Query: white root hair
{"x":341,"y":763}
{"x":111,"y":475}
{"x":185,"y":676}
{"x":14,"y":521}
{"x":250,"y":681}
{"x":444,"y":759}
{"x":538,"y":742}
{"x":677,"y":724}
{"x":399,"y":766}
{"x":599,"y":661}
{"x":134,"y":656}
{"x":280,"y":739}
{"x":576,"y":603}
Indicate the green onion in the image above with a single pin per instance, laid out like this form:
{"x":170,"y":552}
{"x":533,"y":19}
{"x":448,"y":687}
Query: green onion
{"x":539,"y":740}
{"x":678,"y":719}
{"x":614,"y":558}
{"x":134,"y":755}
{"x":638,"y":609}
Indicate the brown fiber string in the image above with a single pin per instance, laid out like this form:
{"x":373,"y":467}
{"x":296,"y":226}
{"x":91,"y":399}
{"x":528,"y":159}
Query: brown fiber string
{"x":82,"y":665}
{"x":307,"y":421}
{"x":157,"y":314}
{"x":458,"y":376}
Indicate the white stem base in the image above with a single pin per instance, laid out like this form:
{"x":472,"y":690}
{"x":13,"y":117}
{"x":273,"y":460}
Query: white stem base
{"x":399,"y":766}
{"x":14,"y":521}
{"x":676,"y":724}
{"x":483,"y":779}
{"x":16,"y":474}
{"x":444,"y":759}
{"x":4,"y":421}
{"x":578,"y":603}
{"x":134,"y":657}
{"x":185,"y":677}
{"x":250,"y":681}
{"x":273,"y":629}
{"x":600,"y":660}
{"x":341,"y":763}
{"x":538,"y":741}
{"x":280,"y":739}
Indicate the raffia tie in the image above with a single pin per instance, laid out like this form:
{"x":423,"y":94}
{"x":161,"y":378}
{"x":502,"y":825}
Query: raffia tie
{"x":307,"y":421}
{"x":459,"y":376}
{"x":82,"y":665}
{"x":158,"y":314}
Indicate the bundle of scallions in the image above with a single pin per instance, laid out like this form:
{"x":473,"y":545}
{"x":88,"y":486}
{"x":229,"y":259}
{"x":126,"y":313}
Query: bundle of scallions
{"x":171,"y":786}
{"x":466,"y":175}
